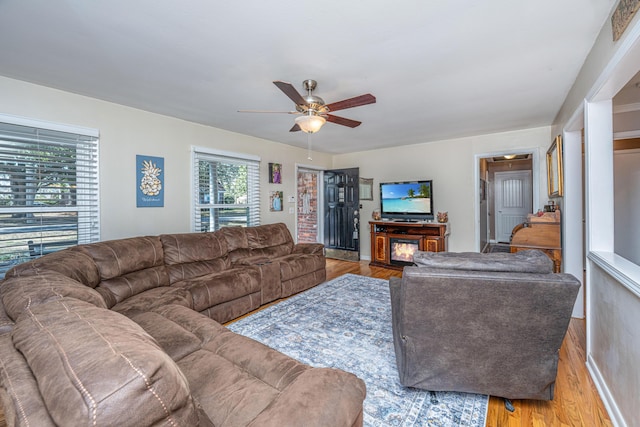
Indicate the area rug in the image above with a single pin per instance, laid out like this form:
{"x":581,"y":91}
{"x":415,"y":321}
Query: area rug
{"x":346,"y":323}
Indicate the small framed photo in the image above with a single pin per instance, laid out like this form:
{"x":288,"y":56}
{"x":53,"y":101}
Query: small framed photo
{"x":275,"y":173}
{"x":275,"y":201}
{"x":366,"y":189}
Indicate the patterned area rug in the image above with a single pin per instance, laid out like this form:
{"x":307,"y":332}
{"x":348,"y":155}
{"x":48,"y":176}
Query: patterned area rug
{"x":346,"y":323}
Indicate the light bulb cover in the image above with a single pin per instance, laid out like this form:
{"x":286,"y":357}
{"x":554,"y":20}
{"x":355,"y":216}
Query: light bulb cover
{"x":310,"y":123}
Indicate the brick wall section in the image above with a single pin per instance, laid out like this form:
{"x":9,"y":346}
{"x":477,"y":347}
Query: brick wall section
{"x":307,"y":207}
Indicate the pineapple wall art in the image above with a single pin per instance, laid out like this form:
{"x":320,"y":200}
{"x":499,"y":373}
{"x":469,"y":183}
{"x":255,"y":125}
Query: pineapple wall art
{"x":150,"y":181}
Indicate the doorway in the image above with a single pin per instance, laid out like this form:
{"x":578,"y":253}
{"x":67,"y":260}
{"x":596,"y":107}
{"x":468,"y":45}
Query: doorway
{"x":505,"y":196}
{"x":341,"y":214}
{"x":308,"y":191}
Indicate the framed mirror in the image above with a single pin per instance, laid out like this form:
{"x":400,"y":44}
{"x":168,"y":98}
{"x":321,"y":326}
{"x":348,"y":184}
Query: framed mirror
{"x":366,"y":189}
{"x":554,"y":168}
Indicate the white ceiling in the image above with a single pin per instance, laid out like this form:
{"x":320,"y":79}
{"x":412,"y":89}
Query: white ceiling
{"x":440,"y":69}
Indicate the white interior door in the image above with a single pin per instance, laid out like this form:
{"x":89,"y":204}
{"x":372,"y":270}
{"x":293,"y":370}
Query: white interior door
{"x":513,"y":198}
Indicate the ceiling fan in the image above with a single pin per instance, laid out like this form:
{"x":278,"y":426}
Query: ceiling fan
{"x":312,"y":110}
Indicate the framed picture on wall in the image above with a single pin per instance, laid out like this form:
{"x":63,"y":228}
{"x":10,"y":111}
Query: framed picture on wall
{"x":149,"y":181}
{"x":554,"y":168}
{"x":366,"y":189}
{"x":275,"y":173}
{"x":275,"y":201}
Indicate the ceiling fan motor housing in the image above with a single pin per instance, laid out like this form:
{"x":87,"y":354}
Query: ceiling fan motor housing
{"x":315,"y":104}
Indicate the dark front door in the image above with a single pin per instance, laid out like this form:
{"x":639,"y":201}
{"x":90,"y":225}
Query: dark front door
{"x":341,"y":214}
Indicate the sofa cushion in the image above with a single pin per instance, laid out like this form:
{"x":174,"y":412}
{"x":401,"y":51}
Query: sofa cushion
{"x":174,"y":339}
{"x":243,"y":376}
{"x":530,"y":261}
{"x":128,"y":266}
{"x":292,"y":266}
{"x":91,"y":363}
{"x":18,"y":293}
{"x":121,"y":288}
{"x":70,"y":262}
{"x":236,"y":237}
{"x":191,"y":255}
{"x":248,"y":383}
{"x":267,"y":241}
{"x":270,"y":240}
{"x":217,"y":288}
{"x":156,"y":297}
{"x":116,"y":258}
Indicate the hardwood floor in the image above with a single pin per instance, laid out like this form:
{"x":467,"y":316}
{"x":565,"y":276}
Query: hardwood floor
{"x":576,"y":401}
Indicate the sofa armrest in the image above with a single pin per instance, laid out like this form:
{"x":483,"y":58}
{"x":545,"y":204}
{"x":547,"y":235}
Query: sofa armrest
{"x":308,"y":248}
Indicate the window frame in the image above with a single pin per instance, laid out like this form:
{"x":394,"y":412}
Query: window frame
{"x":253,"y":186}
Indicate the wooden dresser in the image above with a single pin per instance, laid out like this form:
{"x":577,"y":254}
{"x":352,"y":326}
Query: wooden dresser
{"x":540,"y":232}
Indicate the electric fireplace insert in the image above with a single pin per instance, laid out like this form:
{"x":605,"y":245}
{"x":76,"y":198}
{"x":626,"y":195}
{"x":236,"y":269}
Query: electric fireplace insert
{"x":402,"y":250}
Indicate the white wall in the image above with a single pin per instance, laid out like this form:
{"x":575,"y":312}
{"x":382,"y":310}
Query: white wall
{"x":614,"y":348}
{"x":626,"y":176}
{"x":451,"y":164}
{"x":125,"y":132}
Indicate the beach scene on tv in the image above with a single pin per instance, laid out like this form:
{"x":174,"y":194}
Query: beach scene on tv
{"x":410,"y":197}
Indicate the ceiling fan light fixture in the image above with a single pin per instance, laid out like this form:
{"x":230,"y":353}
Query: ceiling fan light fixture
{"x":310,"y":123}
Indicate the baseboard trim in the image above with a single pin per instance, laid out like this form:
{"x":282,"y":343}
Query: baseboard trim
{"x":617,"y":419}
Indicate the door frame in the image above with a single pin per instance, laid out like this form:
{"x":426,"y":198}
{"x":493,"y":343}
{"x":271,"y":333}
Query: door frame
{"x":320,"y":171}
{"x":535,"y":184}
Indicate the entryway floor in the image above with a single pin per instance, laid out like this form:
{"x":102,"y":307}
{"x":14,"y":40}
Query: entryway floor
{"x":498,"y":247}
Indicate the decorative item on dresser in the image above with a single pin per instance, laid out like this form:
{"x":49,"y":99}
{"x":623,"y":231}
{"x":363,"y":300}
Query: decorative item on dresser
{"x":393,"y":243}
{"x":540,"y":231}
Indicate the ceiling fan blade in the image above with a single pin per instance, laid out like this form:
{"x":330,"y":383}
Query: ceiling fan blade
{"x":352,"y":102}
{"x":268,"y":111}
{"x":342,"y":121}
{"x":291,"y":92}
{"x":295,"y":128}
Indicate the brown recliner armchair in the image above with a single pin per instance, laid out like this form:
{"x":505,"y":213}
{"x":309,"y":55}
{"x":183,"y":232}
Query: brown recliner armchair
{"x":481,"y":323}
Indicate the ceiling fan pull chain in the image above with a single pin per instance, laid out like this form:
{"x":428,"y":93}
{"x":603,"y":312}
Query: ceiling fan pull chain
{"x":309,"y":147}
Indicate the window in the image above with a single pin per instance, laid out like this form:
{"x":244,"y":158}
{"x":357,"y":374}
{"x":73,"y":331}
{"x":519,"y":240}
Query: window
{"x":48,"y":189}
{"x":226,"y":190}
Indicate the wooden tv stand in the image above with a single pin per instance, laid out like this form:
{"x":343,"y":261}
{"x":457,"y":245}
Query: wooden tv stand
{"x":430,"y":236}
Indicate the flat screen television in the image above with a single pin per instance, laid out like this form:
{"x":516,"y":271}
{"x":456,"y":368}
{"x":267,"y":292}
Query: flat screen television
{"x":407,"y":200}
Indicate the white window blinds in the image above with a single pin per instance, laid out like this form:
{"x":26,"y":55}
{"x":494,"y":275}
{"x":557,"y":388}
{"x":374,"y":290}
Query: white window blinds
{"x":48,"y":191}
{"x":226,"y":190}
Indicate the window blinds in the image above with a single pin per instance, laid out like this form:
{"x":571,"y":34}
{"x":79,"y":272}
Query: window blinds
{"x":226,"y":190}
{"x":49,"y":196}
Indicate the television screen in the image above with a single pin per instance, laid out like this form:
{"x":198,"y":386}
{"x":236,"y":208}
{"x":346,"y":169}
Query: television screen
{"x":409,"y":200}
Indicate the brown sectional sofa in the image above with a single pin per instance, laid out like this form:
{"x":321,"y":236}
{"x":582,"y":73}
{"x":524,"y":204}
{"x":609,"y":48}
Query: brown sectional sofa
{"x":127,"y":332}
